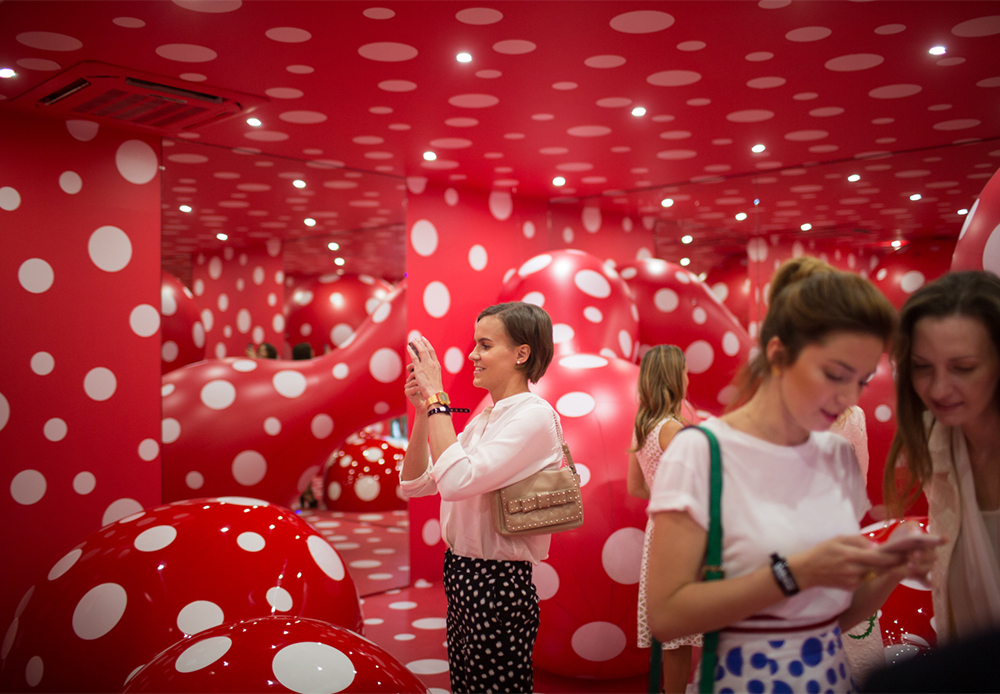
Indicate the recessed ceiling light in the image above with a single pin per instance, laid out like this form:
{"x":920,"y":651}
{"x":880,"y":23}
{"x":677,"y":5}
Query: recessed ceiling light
{"x":963,"y":211}
{"x":685,"y":261}
{"x":333,"y":246}
{"x":806,"y":227}
{"x":639,"y":111}
{"x":896,"y":244}
{"x":309,"y":222}
{"x":338,"y":261}
{"x":687,"y":238}
{"x":221,"y":236}
{"x":667,"y":202}
{"x":184,"y":208}
{"x":463,"y":58}
{"x":558,"y":181}
{"x":255,"y":122}
{"x":299,"y":183}
{"x":740,"y":216}
{"x":430,"y":156}
{"x":938,"y":50}
{"x":7,"y":73}
{"x":915,"y":197}
{"x":758,"y":148}
{"x":854,"y":177}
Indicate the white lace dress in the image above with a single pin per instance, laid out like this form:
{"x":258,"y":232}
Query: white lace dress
{"x":649,"y":459}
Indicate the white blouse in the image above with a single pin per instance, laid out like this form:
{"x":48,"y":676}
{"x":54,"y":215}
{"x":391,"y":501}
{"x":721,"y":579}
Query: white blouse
{"x":504,"y":444}
{"x":775,"y":498}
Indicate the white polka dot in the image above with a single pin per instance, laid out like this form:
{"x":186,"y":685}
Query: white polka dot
{"x":598,"y":641}
{"x":249,"y":468}
{"x":385,"y":365}
{"x":592,"y":283}
{"x":403,"y":605}
{"x":110,"y":248}
{"x":700,"y":356}
{"x":625,"y":343}
{"x":27,"y":487}
{"x":528,"y":229}
{"x":539,"y":262}
{"x":10,"y":199}
{"x":340,"y":334}
{"x":431,"y":532}
{"x":340,"y":371}
{"x":243,"y":319}
{"x":194,"y":480}
{"x":136,"y":162}
{"x":621,"y":555}
{"x":202,"y":654}
{"x":477,"y":257}
{"x":35,"y":275}
{"x":149,"y":449}
{"x":593,"y":314}
{"x":169,"y":351}
{"x":424,"y":237}
{"x":561,"y":333}
{"x":576,"y":404}
{"x":501,"y":205}
{"x":278,"y":598}
{"x":321,"y":426}
{"x":55,"y":429}
{"x":199,"y":615}
{"x":64,"y":564}
{"x":99,"y":610}
{"x":288,"y":383}
{"x":218,"y":394}
{"x":144,"y":320}
{"x":313,"y":668}
{"x":883,"y":413}
{"x":666,"y":300}
{"x":367,"y":488}
{"x":911,"y":281}
{"x":334,"y":491}
{"x":84,"y":483}
{"x":381,"y":309}
{"x":155,"y":538}
{"x":730,"y":343}
{"x":326,"y":557}
{"x":70,"y":182}
{"x":699,"y":316}
{"x":82,"y":130}
{"x":427,"y":666}
{"x":242,"y":501}
{"x":453,"y":360}
{"x":251,"y":542}
{"x":437,"y":299}
{"x":170,"y":430}
{"x":583,"y":361}
{"x":4,"y":411}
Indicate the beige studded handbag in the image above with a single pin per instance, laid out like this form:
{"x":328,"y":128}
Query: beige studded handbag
{"x":547,"y":502}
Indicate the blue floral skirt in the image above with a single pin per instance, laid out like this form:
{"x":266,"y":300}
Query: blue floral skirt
{"x":810,"y":661}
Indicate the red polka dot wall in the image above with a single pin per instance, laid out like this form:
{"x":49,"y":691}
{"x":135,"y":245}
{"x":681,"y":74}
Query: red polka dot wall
{"x":79,"y":381}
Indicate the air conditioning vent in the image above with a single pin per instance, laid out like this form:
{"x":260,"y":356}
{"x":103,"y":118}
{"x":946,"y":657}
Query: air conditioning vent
{"x":127,"y":97}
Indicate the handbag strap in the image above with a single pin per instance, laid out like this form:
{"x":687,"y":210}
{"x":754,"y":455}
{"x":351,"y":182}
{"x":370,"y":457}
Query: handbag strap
{"x":713,"y":557}
{"x":562,"y":442}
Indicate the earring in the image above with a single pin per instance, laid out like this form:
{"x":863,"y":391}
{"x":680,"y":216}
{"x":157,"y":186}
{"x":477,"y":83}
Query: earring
{"x":775,"y":371}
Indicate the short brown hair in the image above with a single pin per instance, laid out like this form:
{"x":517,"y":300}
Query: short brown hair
{"x":526,"y":324}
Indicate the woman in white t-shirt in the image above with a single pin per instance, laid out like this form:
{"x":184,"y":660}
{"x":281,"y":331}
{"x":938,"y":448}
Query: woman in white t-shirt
{"x":493,"y":613}
{"x":796,"y":570}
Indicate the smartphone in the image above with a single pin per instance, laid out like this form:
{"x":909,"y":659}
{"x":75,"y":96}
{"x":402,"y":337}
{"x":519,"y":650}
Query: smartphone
{"x":907,"y":542}
{"x":415,"y":352}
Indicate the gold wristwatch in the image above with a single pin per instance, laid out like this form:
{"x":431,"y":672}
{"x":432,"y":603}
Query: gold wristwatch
{"x":440,"y":398}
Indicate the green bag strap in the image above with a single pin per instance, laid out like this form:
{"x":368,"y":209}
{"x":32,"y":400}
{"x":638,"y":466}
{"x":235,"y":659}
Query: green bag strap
{"x":655,"y":667}
{"x":713,"y":558}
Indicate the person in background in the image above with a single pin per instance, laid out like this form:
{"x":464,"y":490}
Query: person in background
{"x":303,"y":350}
{"x":796,"y":569}
{"x":267,"y":351}
{"x":947,"y":359}
{"x":493,"y":613}
{"x":663,"y":381}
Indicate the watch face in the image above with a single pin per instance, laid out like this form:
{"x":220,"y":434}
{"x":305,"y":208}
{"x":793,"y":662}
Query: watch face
{"x":443,"y":398}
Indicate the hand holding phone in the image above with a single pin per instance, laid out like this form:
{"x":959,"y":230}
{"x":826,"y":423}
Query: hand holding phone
{"x":909,"y":542}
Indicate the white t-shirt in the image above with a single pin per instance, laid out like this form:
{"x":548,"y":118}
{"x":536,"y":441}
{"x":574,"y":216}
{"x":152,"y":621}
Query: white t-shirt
{"x":504,"y":444}
{"x":782,"y":499}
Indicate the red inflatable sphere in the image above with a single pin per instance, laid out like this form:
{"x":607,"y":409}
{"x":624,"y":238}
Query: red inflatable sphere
{"x":183,"y":335}
{"x":677,"y":308}
{"x":265,"y":427}
{"x":275,"y":654}
{"x":730,"y":283}
{"x":138,"y":585}
{"x":591,"y":307}
{"x":978,"y":246}
{"x":364,"y":476}
{"x":326,"y":311}
{"x":906,"y":270}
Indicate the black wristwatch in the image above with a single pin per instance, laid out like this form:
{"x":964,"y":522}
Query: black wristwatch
{"x":783,"y":575}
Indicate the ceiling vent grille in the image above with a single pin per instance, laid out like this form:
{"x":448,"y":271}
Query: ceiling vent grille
{"x":127,"y":97}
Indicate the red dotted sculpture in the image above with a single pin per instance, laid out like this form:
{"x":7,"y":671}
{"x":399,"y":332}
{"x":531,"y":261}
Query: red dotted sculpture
{"x":364,"y":476}
{"x":978,"y":246}
{"x":730,"y":284}
{"x":275,"y":654}
{"x":675,"y":307}
{"x":183,"y":335}
{"x":325,"y":312}
{"x":145,"y":582}
{"x":265,"y":427}
{"x":591,"y":307}
{"x":903,"y":272}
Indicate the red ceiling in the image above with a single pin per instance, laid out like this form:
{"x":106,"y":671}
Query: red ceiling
{"x":831,"y":87}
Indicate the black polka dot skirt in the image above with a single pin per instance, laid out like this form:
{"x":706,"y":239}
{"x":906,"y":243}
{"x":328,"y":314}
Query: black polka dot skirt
{"x":492,"y":624}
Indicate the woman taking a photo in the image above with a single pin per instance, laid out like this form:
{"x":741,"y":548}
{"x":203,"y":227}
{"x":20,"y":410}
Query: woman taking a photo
{"x":796,"y":570}
{"x":663,"y":381}
{"x":493,"y":611}
{"x":947,"y":358}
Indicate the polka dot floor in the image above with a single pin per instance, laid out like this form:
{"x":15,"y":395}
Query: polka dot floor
{"x":408,"y":620}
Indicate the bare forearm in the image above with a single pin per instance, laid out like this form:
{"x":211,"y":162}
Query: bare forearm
{"x":415,"y":461}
